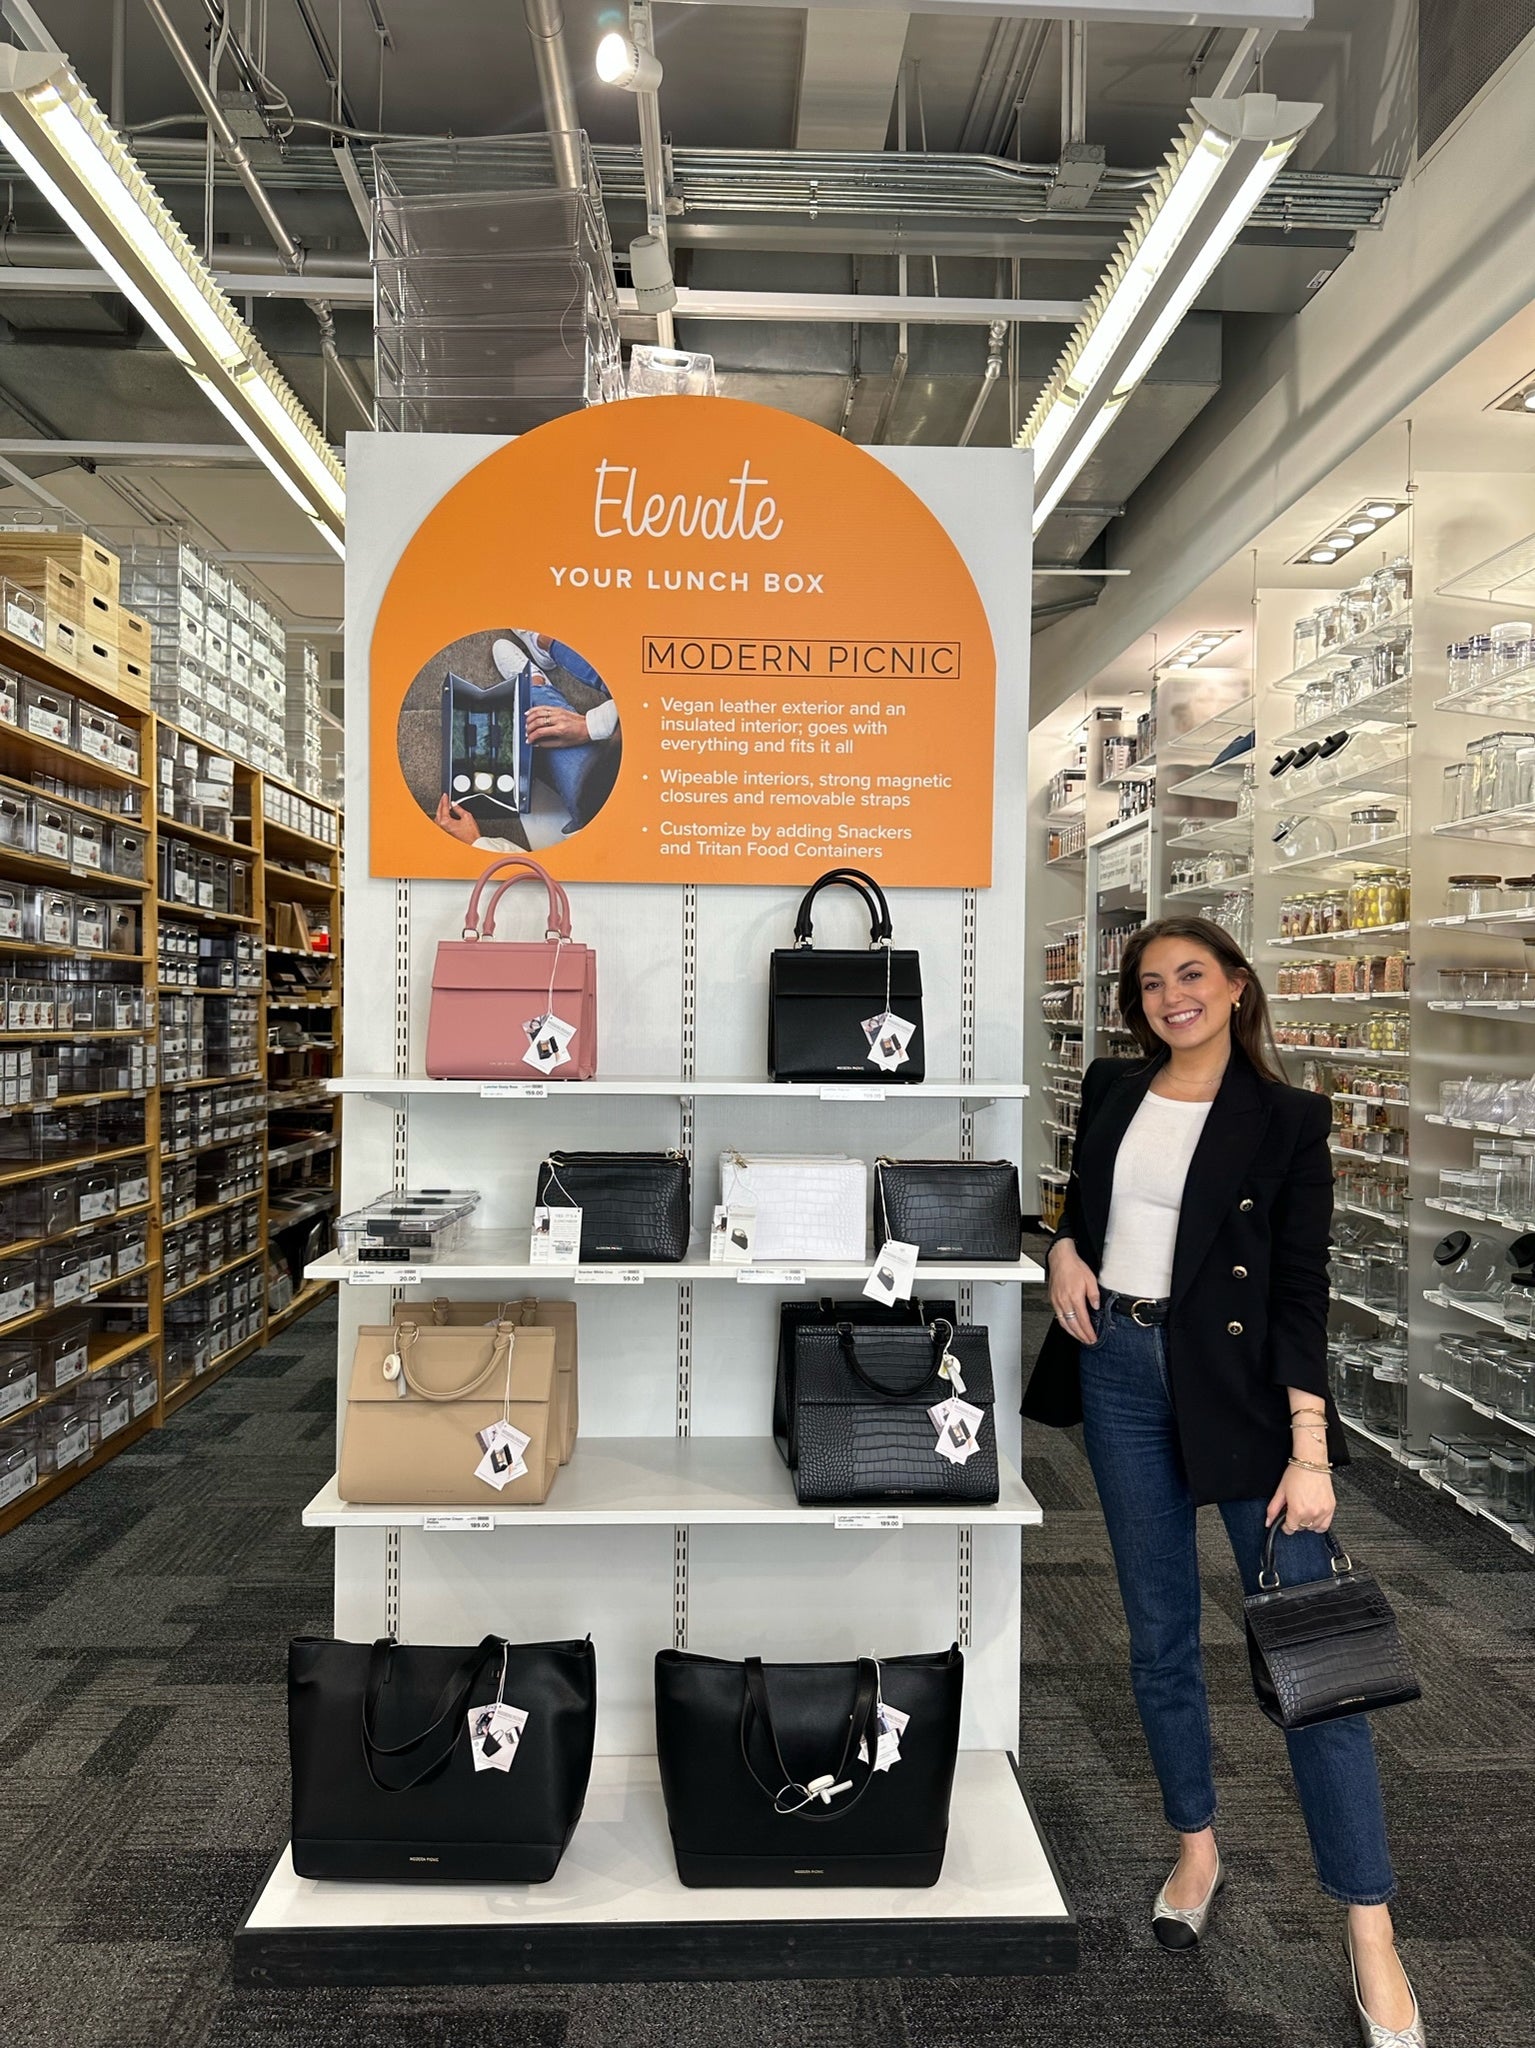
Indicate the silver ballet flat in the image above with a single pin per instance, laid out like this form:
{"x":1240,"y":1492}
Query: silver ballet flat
{"x":1371,"y":2032}
{"x":1181,"y":1926}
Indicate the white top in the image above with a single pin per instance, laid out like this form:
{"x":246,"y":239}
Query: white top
{"x":1149,"y":1173}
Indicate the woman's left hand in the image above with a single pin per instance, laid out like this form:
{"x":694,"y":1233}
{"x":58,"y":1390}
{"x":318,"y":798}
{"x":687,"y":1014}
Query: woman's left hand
{"x":1305,"y":1499}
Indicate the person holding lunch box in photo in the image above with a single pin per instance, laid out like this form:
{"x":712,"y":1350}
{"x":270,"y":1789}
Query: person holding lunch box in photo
{"x":1188,"y":1280}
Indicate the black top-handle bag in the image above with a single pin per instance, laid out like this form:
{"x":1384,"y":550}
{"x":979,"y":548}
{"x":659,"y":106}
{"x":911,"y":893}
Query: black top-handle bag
{"x":821,"y":999}
{"x":1325,"y":1648}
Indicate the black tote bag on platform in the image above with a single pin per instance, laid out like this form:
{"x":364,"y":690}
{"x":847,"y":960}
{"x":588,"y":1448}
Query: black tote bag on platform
{"x":747,"y":1751}
{"x":819,"y":999}
{"x":384,"y":1785}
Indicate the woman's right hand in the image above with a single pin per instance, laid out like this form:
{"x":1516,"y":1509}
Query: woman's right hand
{"x":1073,"y":1290}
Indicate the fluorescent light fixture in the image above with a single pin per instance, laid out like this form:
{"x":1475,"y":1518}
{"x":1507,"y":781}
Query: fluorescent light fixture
{"x":1229,"y":153}
{"x":1196,"y":648}
{"x":621,"y":62}
{"x":1367,"y":518}
{"x":66,"y":146}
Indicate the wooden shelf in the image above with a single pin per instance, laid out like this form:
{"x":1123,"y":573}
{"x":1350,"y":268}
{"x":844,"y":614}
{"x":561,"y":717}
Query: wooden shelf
{"x":61,"y":1482}
{"x":172,"y":911}
{"x":173,"y":828}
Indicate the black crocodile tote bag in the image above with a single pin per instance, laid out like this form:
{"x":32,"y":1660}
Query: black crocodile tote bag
{"x":861,"y":1423}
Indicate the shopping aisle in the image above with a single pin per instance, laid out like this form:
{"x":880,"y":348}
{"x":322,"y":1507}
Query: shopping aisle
{"x":142,"y":1630}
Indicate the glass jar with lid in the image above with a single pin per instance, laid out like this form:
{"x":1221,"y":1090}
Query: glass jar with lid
{"x":1512,"y":649}
{"x":1459,"y":799}
{"x":1383,"y":598}
{"x":1473,"y":896}
{"x":1359,"y":610}
{"x":1511,"y":1483}
{"x":1470,"y":1268}
{"x":1317,"y":700}
{"x":1372,"y":823}
{"x":1305,"y":639}
{"x":1518,"y":892}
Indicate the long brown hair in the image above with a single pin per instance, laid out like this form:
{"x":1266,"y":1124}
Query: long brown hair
{"x":1250,"y":1026}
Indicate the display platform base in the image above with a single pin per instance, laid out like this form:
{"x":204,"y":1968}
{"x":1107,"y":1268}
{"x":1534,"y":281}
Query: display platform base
{"x":615,"y":1911}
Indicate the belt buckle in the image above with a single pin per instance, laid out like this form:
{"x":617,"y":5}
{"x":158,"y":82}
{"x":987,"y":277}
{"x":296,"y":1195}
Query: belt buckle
{"x":1135,"y":1312}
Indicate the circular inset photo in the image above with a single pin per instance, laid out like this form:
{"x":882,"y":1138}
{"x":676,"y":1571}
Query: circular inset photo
{"x":509,"y":740}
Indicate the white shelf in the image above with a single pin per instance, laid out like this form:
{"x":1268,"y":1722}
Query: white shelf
{"x":722,"y":1481}
{"x":1212,"y":733}
{"x":1345,"y":860}
{"x":1520,"y":1011}
{"x":1443,"y":1203}
{"x":1508,"y":576}
{"x":1391,"y":706}
{"x":1351,"y":937}
{"x":1138,"y":771}
{"x":1377,"y":1160}
{"x":1361,"y":1053}
{"x":1440,"y":1386}
{"x":1465,"y":1123}
{"x":1388,"y":1444}
{"x":1239,"y":885}
{"x":1370,"y":1215}
{"x":1476,"y":1311}
{"x":1512,"y":827}
{"x":1374,"y":1101}
{"x":673,"y":1086}
{"x":1219,"y":783}
{"x":503,"y":1255}
{"x":1339,"y":656}
{"x":1213,"y":835}
{"x":1479,"y":1508}
{"x":1381,"y":1315}
{"x":619,"y":1871}
{"x":1122,"y":828}
{"x":1511,"y":924}
{"x":1380,"y":996}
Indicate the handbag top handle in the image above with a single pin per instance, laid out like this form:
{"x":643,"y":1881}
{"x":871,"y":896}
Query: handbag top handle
{"x":448,"y":1714}
{"x":852,"y":878}
{"x":1268,"y":1573}
{"x":488,"y":921}
{"x":559,"y":906}
{"x":847,"y":1337}
{"x":863,"y":1722}
{"x":405,"y":1337}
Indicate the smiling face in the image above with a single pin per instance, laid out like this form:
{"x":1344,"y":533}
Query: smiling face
{"x":1186,"y":994}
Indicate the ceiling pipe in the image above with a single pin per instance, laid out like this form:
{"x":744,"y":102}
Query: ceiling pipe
{"x":235,"y":154}
{"x":996,"y":343}
{"x":63,"y":252}
{"x":546,"y":29}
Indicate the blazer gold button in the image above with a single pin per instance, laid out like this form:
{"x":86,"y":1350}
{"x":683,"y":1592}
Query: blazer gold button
{"x":1245,"y":1204}
{"x":1233,"y":1329}
{"x":1239,"y":1272}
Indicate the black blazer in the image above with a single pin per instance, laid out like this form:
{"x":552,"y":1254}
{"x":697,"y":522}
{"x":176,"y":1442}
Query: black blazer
{"x":1248,"y":1315}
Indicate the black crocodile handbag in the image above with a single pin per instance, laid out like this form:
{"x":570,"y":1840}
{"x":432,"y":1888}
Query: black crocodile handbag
{"x":1325,"y":1648}
{"x":797,"y":1316}
{"x":950,"y":1208}
{"x":861,"y":1423}
{"x":820,"y":999}
{"x":634,"y":1205}
{"x":747,"y":1750}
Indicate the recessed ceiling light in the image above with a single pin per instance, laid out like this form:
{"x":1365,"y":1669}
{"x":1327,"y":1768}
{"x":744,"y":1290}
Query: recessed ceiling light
{"x":1518,"y":397}
{"x":1359,"y":524}
{"x":1196,"y":648}
{"x":1527,"y":399}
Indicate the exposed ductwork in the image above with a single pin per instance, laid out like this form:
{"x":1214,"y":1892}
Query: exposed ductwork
{"x":997,"y":341}
{"x":546,"y":29}
{"x":239,"y":161}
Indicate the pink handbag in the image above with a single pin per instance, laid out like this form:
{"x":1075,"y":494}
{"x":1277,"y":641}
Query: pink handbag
{"x":485,"y":997}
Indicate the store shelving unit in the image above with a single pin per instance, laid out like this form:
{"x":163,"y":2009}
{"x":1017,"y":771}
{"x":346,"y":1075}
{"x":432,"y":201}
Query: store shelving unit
{"x":115,"y":1403}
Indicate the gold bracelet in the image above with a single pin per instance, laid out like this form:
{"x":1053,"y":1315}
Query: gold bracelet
{"x":1298,"y":1414}
{"x":1310,"y":1465}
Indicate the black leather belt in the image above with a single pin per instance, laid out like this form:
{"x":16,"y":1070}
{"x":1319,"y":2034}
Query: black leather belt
{"x":1147,"y":1313}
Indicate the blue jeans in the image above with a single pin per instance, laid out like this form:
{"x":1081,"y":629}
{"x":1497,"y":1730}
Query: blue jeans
{"x":1132,"y":1446}
{"x":571,"y":769}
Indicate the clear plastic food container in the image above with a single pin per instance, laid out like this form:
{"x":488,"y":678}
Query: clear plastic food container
{"x":398,"y":1234}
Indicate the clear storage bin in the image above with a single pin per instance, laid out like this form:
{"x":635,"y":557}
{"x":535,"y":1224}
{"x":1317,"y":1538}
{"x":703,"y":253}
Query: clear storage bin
{"x":18,"y":1288}
{"x":47,"y":713}
{"x":50,"y":829}
{"x":63,"y":1345}
{"x":18,"y":1377}
{"x":63,"y":1436}
{"x":19,"y":1471}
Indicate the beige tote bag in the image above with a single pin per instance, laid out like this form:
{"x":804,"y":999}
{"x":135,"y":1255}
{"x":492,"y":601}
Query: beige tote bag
{"x":528,"y":1312}
{"x":418,"y":1394}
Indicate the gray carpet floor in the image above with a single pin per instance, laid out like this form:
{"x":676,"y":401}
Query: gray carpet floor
{"x":143,"y":1624}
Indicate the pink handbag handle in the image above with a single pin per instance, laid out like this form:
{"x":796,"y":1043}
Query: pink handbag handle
{"x":559,"y":907}
{"x":554,"y":931}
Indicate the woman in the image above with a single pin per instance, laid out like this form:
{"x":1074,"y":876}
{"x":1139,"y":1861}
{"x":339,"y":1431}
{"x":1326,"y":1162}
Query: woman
{"x":1188,"y":1277}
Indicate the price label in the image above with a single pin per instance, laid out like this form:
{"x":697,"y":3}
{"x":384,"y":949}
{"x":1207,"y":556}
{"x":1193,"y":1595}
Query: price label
{"x":850,"y":1091}
{"x":867,"y":1518}
{"x":443,"y":1524}
{"x":523,"y":1091}
{"x":609,"y":1276}
{"x":770,"y":1276}
{"x":385,"y":1276}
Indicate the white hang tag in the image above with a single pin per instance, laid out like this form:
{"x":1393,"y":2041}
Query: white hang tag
{"x":731,"y":1236}
{"x":957,"y":1423}
{"x":549,"y":1040}
{"x":394,"y":1371}
{"x":556,"y":1237}
{"x":892,"y":1726}
{"x":888,"y":1036}
{"x":503,"y":1461}
{"x":893,"y":1273}
{"x":948,"y":1369}
{"x":494,"y":1733}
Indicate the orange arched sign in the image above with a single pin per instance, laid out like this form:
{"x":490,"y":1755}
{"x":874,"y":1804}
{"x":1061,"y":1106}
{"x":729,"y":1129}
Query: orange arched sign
{"x":683,"y":639}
